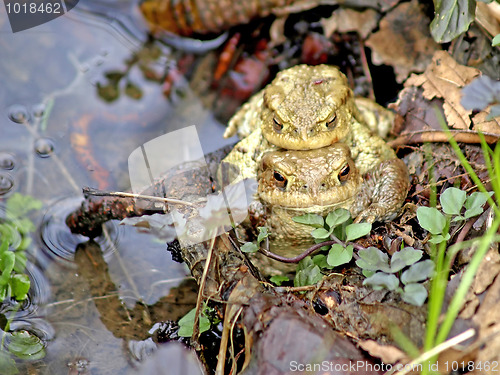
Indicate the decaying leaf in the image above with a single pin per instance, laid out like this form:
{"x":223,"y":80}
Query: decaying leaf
{"x":344,"y":20}
{"x":387,"y":353}
{"x":444,"y":79}
{"x":403,"y":40}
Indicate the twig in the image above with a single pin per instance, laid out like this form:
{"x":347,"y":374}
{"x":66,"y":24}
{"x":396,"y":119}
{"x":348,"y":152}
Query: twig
{"x":102,"y":193}
{"x":309,"y":251}
{"x":203,"y":280}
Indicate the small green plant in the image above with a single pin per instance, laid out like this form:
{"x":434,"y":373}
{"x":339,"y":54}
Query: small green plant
{"x":15,"y":238}
{"x":15,"y":229}
{"x":250,"y":247}
{"x":403,"y":274}
{"x":457,"y":207}
{"x":207,"y":318}
{"x":337,"y":225}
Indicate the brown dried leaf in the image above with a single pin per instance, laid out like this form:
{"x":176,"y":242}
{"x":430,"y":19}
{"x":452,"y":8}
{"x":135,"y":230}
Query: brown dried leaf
{"x":345,"y":20}
{"x":444,"y":79}
{"x":403,"y":40}
{"x":488,"y":320}
{"x":387,"y":353}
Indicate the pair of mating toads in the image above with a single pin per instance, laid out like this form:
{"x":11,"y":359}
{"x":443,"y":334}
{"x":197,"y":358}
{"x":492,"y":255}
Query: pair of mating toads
{"x":312,"y":147}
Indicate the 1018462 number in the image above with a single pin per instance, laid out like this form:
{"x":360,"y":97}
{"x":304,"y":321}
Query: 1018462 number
{"x":33,"y":8}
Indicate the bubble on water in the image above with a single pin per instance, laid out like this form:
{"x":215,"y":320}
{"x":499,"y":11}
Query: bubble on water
{"x":38,"y":110}
{"x":98,"y":61}
{"x":6,"y":183}
{"x":84,"y":68}
{"x":18,"y":113}
{"x":44,"y":147}
{"x":7,"y":161}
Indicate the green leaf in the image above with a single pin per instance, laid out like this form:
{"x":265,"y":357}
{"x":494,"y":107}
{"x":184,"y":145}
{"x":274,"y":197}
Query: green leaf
{"x":496,"y":41}
{"x":320,"y":260}
{"x":7,"y":364}
{"x":4,"y":291}
{"x":339,"y":216}
{"x":19,"y":205}
{"x":418,"y":272}
{"x":308,"y":273}
{"x":431,"y":219}
{"x":249,"y":247}
{"x":367,"y":273}
{"x":321,"y":233}
{"x":278,"y":279}
{"x":21,"y":260}
{"x":414,"y":294}
{"x":7,"y":262}
{"x":476,"y":200}
{"x":20,"y":286}
{"x":313,"y":220}
{"x":452,"y":18}
{"x":404,"y":257}
{"x":355,"y":231}
{"x":339,"y":255}
{"x":473,"y":212}
{"x":437,"y":239}
{"x":452,"y":200}
{"x":263,"y":233}
{"x":25,"y":345}
{"x":186,"y":324}
{"x":372,"y":259}
{"x":4,"y":246}
{"x":382,"y":280}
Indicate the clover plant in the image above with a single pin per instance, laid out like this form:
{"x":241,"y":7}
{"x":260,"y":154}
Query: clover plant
{"x":381,"y":273}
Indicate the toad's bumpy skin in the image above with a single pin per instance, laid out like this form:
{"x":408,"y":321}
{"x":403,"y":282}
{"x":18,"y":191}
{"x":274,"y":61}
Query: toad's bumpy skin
{"x":312,"y":108}
{"x":292,"y":183}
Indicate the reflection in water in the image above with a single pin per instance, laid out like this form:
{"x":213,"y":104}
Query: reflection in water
{"x":49,"y":107}
{"x":59,"y":244}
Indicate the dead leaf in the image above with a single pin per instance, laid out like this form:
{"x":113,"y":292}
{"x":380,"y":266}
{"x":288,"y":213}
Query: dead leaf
{"x":387,"y":353}
{"x":345,"y":20}
{"x":444,"y":78}
{"x":403,"y":40}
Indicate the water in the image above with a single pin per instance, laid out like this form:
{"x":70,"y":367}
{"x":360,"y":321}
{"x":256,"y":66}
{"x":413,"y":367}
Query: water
{"x":78,"y":95}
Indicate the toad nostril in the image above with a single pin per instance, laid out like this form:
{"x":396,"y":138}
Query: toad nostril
{"x":304,"y":187}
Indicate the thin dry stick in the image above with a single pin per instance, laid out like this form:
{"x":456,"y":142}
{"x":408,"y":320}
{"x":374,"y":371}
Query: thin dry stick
{"x":202,"y":288}
{"x":120,"y":194}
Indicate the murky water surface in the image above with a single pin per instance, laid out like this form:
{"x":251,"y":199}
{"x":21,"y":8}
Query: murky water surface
{"x":74,"y":103}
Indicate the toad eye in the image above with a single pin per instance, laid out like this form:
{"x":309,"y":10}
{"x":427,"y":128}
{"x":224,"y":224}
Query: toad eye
{"x":280,"y":180}
{"x":332,"y":123}
{"x":277,"y":125}
{"x":344,"y":173}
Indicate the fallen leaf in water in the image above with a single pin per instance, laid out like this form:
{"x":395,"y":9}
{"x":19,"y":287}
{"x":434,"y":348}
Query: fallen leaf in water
{"x":403,"y":40}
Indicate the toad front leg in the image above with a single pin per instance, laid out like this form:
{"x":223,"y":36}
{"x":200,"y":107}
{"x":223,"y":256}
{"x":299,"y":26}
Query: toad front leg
{"x":383,"y":192}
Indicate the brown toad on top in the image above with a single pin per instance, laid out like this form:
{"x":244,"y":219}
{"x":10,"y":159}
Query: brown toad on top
{"x":311,"y":107}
